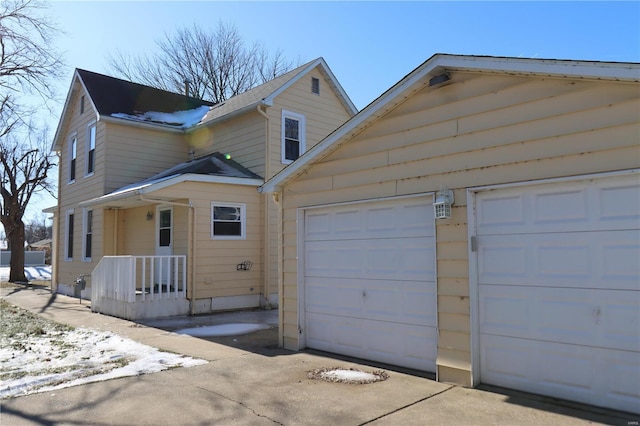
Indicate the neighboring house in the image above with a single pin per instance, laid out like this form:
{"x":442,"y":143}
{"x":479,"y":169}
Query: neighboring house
{"x":158,"y":191}
{"x":43,"y":246}
{"x":533,"y":282}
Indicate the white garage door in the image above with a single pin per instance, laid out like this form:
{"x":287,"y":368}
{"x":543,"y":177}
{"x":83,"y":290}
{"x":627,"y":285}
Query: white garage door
{"x":559,"y":289}
{"x":369,"y":281}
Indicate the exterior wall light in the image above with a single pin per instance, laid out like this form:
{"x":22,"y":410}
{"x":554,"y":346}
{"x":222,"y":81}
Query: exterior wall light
{"x":442,"y":204}
{"x":149,"y":215}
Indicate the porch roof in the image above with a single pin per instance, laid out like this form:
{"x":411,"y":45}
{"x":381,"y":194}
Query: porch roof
{"x":213,"y":168}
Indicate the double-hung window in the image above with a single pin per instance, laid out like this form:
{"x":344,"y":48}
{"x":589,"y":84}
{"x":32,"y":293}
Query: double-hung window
{"x":293,"y":136}
{"x":87,"y":235}
{"x":228,"y":221}
{"x":91,"y":149}
{"x":69,"y":239}
{"x":73,"y":154}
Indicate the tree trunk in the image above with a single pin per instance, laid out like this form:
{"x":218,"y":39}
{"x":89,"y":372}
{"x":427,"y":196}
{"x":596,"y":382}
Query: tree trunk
{"x":16,"y":245}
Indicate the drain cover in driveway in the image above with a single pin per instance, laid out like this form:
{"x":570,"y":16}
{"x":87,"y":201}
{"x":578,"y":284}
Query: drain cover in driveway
{"x":347,"y":375}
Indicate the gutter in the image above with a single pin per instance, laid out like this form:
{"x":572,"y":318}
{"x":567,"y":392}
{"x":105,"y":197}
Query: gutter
{"x":192,"y":245}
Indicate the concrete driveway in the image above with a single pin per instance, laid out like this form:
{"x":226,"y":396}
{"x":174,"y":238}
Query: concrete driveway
{"x":250,"y":381}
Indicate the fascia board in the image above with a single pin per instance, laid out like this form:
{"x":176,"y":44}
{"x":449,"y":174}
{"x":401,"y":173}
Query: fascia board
{"x":616,"y":71}
{"x":150,"y":188}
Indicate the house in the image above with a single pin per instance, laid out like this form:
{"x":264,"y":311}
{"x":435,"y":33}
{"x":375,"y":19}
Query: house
{"x":158,"y":211}
{"x":479,"y":220}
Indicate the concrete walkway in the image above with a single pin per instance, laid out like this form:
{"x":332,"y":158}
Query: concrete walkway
{"x":264,"y":385}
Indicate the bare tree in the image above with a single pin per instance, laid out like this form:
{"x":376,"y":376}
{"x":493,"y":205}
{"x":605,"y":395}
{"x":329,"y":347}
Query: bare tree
{"x":24,"y":171}
{"x":28,"y":61}
{"x":28,"y":64}
{"x":212,"y":65}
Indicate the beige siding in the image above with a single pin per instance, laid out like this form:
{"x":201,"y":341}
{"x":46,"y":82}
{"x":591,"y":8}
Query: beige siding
{"x":84,"y":187}
{"x":323,"y":114}
{"x":478,"y":130}
{"x":135,"y":153}
{"x":216,"y":260}
{"x":242,"y":137}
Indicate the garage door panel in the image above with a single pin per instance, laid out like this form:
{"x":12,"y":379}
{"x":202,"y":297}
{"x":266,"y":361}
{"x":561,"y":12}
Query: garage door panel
{"x":558,"y":277}
{"x":369,"y":281}
{"x":409,"y":218}
{"x":394,"y":258}
{"x":411,"y":302}
{"x":375,"y":340}
{"x":598,"y":259}
{"x":602,"y":318}
{"x":590,"y":375}
{"x":605,"y":204}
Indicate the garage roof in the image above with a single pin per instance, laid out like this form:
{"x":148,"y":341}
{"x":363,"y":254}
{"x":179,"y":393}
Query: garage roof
{"x":436,"y":66}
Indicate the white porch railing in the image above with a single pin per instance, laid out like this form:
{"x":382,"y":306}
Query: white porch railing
{"x":135,"y":287}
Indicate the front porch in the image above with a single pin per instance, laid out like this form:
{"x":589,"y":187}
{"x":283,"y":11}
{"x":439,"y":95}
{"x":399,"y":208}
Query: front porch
{"x":140,"y":287}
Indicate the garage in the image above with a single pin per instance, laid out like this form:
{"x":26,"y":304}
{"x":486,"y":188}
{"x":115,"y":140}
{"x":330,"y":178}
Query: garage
{"x":369,"y":281}
{"x":558,"y":284}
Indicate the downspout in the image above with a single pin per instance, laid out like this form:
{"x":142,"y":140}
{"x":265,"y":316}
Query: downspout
{"x":267,"y":217}
{"x":191,"y":254}
{"x":115,"y":232}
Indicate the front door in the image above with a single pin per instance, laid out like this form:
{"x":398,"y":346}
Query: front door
{"x":164,"y":243}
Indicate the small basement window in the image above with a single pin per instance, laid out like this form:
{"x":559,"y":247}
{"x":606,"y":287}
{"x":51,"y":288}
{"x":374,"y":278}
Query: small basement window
{"x":315,"y":85}
{"x":228,"y":221}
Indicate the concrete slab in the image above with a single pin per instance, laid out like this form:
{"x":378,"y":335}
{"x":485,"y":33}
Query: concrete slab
{"x":250,"y":381}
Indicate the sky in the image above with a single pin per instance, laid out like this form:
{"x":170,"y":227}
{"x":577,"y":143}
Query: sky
{"x":369,"y":46}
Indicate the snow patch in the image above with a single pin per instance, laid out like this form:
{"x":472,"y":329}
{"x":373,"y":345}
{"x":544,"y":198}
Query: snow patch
{"x":223,"y":330}
{"x":347,"y":375}
{"x":79,"y":356}
{"x":181,"y":119}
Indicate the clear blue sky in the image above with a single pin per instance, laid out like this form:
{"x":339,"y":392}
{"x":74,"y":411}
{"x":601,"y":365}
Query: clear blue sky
{"x":368,"y":45}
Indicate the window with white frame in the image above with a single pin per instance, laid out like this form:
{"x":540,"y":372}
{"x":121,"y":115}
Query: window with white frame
{"x":228,"y":221}
{"x":87,"y":235}
{"x":73,"y":154}
{"x":91,"y":149}
{"x":293,"y":136}
{"x":68,"y":255}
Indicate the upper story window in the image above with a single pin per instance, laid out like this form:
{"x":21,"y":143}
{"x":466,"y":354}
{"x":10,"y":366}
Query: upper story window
{"x":73,"y":153}
{"x":91,"y":149}
{"x":228,"y":221}
{"x":315,"y":85}
{"x":293,"y":136}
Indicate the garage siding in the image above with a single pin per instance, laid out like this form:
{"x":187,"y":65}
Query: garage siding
{"x":480,"y":129}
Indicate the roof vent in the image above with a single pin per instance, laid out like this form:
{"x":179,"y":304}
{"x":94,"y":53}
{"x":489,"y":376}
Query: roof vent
{"x":439,"y":79}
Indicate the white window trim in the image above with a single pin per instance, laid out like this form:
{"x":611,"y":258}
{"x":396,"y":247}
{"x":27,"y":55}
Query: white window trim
{"x":66,"y":234}
{"x":301,"y":133}
{"x":87,"y":148}
{"x":243,"y":221}
{"x":73,"y":136}
{"x":85,"y":215}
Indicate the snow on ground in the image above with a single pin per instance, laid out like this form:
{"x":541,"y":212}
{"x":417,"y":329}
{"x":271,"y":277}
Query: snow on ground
{"x":64,"y":358}
{"x":223,"y":330}
{"x":33,"y":273}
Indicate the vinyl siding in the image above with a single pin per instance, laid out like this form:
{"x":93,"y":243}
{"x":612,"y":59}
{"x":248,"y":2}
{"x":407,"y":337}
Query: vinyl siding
{"x":84,"y":187}
{"x":216,"y":260}
{"x":135,"y":153}
{"x":478,"y":130}
{"x":242,"y":137}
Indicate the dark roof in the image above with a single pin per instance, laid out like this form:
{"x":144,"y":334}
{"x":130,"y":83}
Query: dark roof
{"x":112,"y":95}
{"x":214,"y":164}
